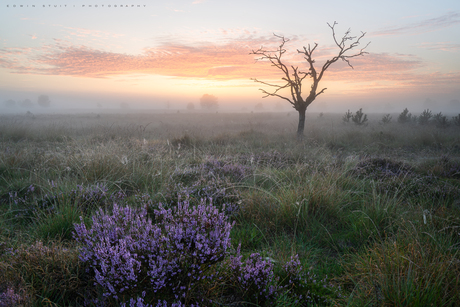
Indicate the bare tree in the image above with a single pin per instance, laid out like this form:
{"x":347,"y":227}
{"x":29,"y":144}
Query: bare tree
{"x":294,"y":77}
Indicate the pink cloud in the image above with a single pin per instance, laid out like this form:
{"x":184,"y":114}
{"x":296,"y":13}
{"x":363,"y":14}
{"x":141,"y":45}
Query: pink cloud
{"x":228,"y":61}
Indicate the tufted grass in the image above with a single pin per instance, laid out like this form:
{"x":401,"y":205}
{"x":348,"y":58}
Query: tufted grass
{"x":388,"y":238}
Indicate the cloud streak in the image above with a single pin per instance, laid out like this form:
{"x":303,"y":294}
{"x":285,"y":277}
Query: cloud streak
{"x":443,"y":46}
{"x":228,"y":61}
{"x":427,"y":25}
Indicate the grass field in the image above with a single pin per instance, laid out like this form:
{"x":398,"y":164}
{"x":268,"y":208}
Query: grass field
{"x":353,"y":215}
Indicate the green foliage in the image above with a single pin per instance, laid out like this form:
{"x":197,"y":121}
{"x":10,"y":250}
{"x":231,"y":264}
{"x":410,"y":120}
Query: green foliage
{"x":50,"y":273}
{"x":410,"y":269}
{"x":376,"y":209}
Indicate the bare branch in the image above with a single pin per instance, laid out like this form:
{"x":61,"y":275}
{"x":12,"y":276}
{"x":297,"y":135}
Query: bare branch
{"x":294,"y":77}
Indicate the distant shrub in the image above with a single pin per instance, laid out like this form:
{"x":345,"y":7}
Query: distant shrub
{"x":254,"y":278}
{"x":404,"y":117}
{"x":424,"y":118}
{"x":386,"y":119}
{"x":348,"y":115}
{"x":456,"y":120}
{"x":359,"y":118}
{"x":441,"y":121}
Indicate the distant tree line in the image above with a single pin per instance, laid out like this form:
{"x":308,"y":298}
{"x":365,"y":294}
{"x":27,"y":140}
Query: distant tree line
{"x":405,"y":117}
{"x":42,"y":101}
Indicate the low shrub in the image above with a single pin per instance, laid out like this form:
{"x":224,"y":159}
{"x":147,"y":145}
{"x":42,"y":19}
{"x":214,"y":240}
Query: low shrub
{"x":254,"y":279}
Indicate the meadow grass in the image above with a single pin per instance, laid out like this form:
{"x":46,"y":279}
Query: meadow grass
{"x":372,"y":210}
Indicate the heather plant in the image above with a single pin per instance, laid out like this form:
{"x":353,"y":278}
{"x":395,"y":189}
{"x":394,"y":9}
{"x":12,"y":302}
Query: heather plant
{"x":9,"y":297}
{"x":253,"y":278}
{"x":327,"y":198}
{"x":128,"y":253}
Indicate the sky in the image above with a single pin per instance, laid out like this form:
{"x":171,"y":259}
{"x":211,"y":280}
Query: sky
{"x":166,"y":54}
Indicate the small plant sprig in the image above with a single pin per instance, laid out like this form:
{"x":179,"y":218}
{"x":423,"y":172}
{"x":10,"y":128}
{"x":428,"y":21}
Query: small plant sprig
{"x":347,"y":116}
{"x":386,"y":119}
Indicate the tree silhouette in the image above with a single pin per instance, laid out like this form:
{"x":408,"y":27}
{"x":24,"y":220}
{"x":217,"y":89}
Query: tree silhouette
{"x":190,"y":106}
{"x":44,"y":101}
{"x":209,"y":101}
{"x":26,"y":103}
{"x":294,"y":77}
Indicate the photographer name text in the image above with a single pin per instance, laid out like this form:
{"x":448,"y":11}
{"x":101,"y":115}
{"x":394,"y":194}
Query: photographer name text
{"x":75,"y":5}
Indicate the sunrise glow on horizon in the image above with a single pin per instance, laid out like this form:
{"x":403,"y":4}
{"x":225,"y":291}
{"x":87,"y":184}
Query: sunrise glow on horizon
{"x":152,"y":51}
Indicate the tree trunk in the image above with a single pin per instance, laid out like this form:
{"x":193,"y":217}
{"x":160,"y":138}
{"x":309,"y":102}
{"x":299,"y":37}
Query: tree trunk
{"x":301,"y":126}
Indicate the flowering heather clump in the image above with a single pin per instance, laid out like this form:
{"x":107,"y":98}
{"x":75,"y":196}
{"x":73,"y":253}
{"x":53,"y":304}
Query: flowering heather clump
{"x":254,"y":277}
{"x":130,"y":254}
{"x":9,"y":298}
